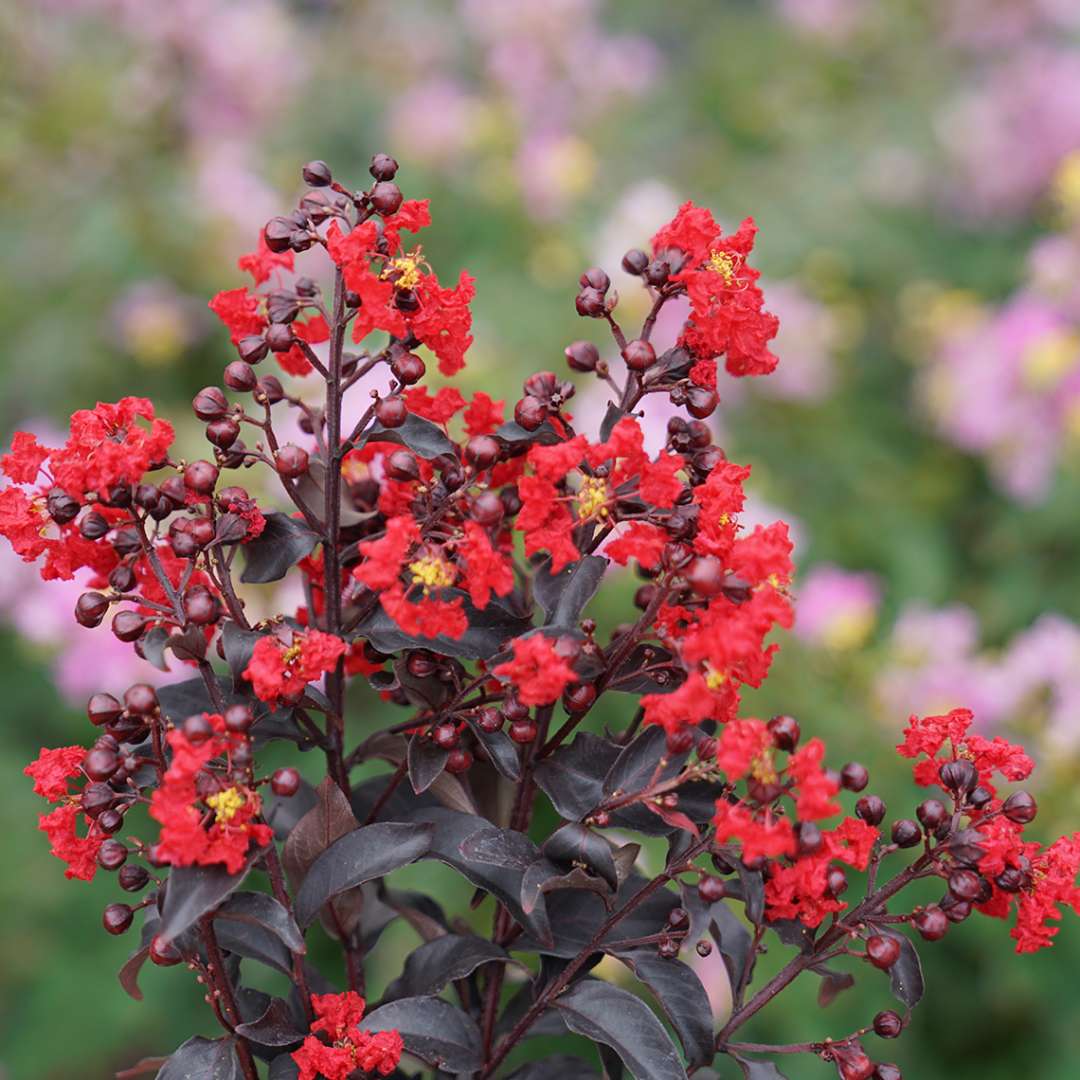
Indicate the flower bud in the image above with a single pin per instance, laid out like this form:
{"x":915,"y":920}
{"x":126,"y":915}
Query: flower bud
{"x":292,"y":461}
{"x":210,"y":403}
{"x":383,"y":167}
{"x":391,"y":411}
{"x":639,"y":355}
{"x":582,"y":356}
{"x":316,"y":174}
{"x":386,"y":197}
{"x":635,"y":261}
{"x":1020,"y":807}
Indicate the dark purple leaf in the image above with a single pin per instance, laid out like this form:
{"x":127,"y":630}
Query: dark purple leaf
{"x":500,"y":748}
{"x":563,"y":596}
{"x":682,"y":998}
{"x":433,"y":1030}
{"x":513,"y":433}
{"x":577,"y":844}
{"x":758,"y":1070}
{"x":556,"y":1067}
{"x":191,"y":892}
{"x":905,"y":976}
{"x":263,"y":910}
{"x":571,"y":776}
{"x":358,"y":856}
{"x":238,"y":645}
{"x":279,"y":547}
{"x":275,"y":1027}
{"x":421,"y":436}
{"x":606,"y":1014}
{"x":202,"y":1059}
{"x":439,"y":962}
{"x":426,"y":762}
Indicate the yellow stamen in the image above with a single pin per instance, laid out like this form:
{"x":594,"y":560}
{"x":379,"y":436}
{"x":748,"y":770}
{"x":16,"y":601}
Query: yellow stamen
{"x":714,"y":679}
{"x":725,"y":264}
{"x":592,"y":498}
{"x":291,"y":653}
{"x":225,"y":804}
{"x":761,"y":769}
{"x":431,"y":572}
{"x":405,"y":270}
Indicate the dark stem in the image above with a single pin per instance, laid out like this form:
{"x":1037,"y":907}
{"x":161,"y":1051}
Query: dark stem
{"x":223,"y":987}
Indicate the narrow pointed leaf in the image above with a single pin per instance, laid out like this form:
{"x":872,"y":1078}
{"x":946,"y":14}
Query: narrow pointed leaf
{"x":433,"y":1030}
{"x":202,"y":1059}
{"x":359,"y":856}
{"x":279,"y":547}
{"x":191,"y":892}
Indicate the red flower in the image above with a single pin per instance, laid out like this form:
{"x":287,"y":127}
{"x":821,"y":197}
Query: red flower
{"x":537,"y":671}
{"x":24,"y":462}
{"x":546,"y":522}
{"x":262,"y":262}
{"x":483,"y":416}
{"x":727,"y":306}
{"x":205,"y":820}
{"x":384,"y":558}
{"x":79,"y":852}
{"x":53,"y":769}
{"x":350,"y":1049}
{"x":425,"y":617}
{"x":444,"y":320}
{"x":659,"y":484}
{"x":638,"y":540}
{"x":765,"y":836}
{"x":814,"y":789}
{"x":238,"y":309}
{"x":438,"y":409}
{"x":486,"y":570}
{"x":743,"y":746}
{"x":928,"y":736}
{"x":279,"y":670}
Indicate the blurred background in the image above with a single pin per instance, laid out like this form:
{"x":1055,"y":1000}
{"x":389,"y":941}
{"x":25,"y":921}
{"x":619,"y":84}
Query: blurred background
{"x":914,"y":168}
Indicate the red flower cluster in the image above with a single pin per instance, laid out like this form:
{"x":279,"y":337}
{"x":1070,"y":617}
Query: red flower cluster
{"x":205,"y":817}
{"x":108,"y":448}
{"x":337,"y":1016}
{"x":51,"y":773}
{"x":1036,"y":881}
{"x":280,"y":669}
{"x":727,"y":306}
{"x":396,"y":290}
{"x":538,"y":672}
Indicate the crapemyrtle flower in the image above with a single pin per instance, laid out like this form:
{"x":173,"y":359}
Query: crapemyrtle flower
{"x":349,"y":1049}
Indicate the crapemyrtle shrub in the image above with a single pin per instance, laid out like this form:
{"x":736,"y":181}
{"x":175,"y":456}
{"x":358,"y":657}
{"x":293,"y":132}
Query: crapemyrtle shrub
{"x":448,"y":556}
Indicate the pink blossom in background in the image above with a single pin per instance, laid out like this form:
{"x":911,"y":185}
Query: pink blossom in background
{"x":998,"y":24}
{"x":935,"y":659}
{"x":1008,"y":388}
{"x":833,"y":21}
{"x":836,"y":608}
{"x":1008,"y":131}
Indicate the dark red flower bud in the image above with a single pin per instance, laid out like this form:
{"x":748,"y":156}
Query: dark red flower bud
{"x":931,"y":813}
{"x":100,"y":764}
{"x":252,"y":349}
{"x":489,"y":720}
{"x":292,"y":461}
{"x":103,"y":709}
{"x":200,"y":477}
{"x":487,"y":509}
{"x":391,"y":411}
{"x":959,"y":776}
{"x":140,"y":699}
{"x":383,"y":167}
{"x":164,"y":953}
{"x":582,"y":356}
{"x":836,"y":881}
{"x":701,"y":402}
{"x":132,"y":878}
{"x":316,"y":174}
{"x":882,"y":951}
{"x":223,"y":433}
{"x":128,"y":625}
{"x":965,"y":884}
{"x":445,"y":736}
{"x":1020,"y":807}
{"x":530,"y":412}
{"x":422,"y":664}
{"x":117,"y":918}
{"x":579,"y":698}
{"x":590,"y":304}
{"x":871,"y":809}
{"x":657,"y":272}
{"x":408,"y":368}
{"x":93,"y":526}
{"x":386,"y":197}
{"x":277,"y":233}
{"x":888,"y":1024}
{"x":458,"y":761}
{"x":711,"y":889}
{"x":239,"y":718}
{"x":635,"y":261}
{"x":210,"y":403}
{"x":97,"y":797}
{"x":854,"y":777}
{"x":91,"y":608}
{"x":931,"y":923}
{"x":809,"y":838}
{"x":706,"y":575}
{"x":483,"y":451}
{"x":285,"y":782}
{"x":639,"y":355}
{"x":887,"y":1071}
{"x":785,"y":732}
{"x":112,"y":854}
{"x":402,"y":466}
{"x":906,"y":833}
{"x":523,"y":731}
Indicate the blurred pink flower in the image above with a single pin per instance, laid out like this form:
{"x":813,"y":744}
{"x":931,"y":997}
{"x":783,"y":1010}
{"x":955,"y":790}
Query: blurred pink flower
{"x":836,"y":608}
